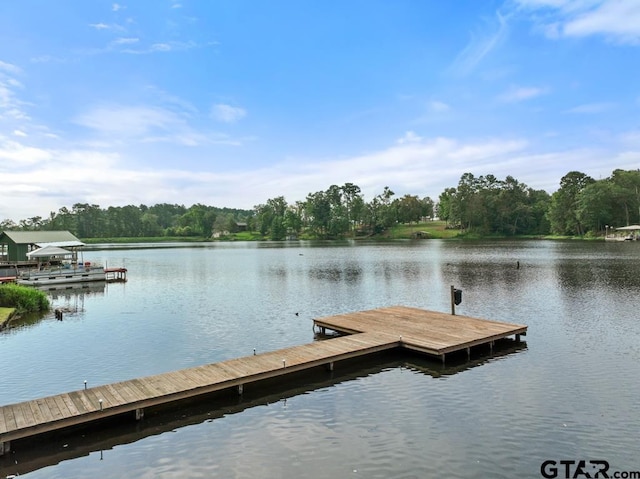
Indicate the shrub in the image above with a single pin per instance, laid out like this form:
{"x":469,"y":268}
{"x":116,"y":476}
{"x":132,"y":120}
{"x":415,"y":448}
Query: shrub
{"x":23,"y":298}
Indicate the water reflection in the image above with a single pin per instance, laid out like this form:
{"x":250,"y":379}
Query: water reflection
{"x":67,"y":298}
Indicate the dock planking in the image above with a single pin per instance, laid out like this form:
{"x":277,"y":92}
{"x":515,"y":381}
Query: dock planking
{"x":367,"y":332}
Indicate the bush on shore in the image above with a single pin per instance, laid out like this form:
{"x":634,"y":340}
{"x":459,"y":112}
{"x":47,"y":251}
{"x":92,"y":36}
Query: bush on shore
{"x":23,"y":298}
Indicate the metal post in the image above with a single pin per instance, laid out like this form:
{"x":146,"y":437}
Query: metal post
{"x":453,"y":301}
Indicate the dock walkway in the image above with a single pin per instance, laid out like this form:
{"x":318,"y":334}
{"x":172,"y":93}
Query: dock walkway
{"x":370,"y":332}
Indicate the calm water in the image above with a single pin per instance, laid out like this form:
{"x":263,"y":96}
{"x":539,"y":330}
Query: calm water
{"x":572,"y":393}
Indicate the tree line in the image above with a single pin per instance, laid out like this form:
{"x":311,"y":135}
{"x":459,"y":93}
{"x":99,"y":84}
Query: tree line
{"x":484,"y":204}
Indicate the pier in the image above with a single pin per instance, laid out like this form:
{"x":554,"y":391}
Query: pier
{"x":367,"y":332}
{"x":115,"y":274}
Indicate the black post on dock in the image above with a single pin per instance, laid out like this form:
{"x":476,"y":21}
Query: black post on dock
{"x":456,"y":298}
{"x":453,"y":301}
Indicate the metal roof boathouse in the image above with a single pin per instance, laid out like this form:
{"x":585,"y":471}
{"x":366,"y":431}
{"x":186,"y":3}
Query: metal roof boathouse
{"x":16,"y":246}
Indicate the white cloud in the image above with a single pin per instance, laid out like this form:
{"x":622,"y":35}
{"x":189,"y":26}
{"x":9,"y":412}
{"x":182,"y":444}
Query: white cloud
{"x":409,"y":137}
{"x":517,"y":94}
{"x":129,"y":121}
{"x":19,"y":133}
{"x":590,"y":108}
{"x":116,"y":7}
{"x":227,"y":113}
{"x":125,"y":41}
{"x":162,"y":47}
{"x":100,"y":26}
{"x":11,"y":107}
{"x":439,"y":107}
{"x":19,"y":155}
{"x":616,"y":20}
{"x":9,"y":68}
{"x":411,"y":165}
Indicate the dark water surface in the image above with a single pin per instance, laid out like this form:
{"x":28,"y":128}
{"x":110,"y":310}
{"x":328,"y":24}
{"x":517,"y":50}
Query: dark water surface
{"x":572,"y":393}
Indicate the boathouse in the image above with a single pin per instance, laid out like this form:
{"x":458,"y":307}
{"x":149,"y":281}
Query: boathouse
{"x":14,"y":245}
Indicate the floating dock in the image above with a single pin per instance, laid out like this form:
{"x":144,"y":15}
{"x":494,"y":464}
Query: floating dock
{"x":373,"y":331}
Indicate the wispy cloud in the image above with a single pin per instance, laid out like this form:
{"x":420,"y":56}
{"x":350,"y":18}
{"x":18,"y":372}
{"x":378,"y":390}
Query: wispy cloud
{"x":9,"y":68}
{"x":100,"y":26}
{"x":409,"y":137}
{"x":161,"y":47}
{"x":519,"y":93}
{"x":18,"y":154}
{"x":129,"y":121}
{"x":481,"y":44}
{"x":19,"y":133}
{"x":590,"y":108}
{"x":438,"y":106}
{"x":11,"y":107}
{"x":117,"y":7}
{"x":125,"y":41}
{"x":227,"y":113}
{"x":616,"y":20}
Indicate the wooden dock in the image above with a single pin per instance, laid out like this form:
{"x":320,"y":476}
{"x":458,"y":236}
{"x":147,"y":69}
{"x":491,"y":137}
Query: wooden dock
{"x":429,"y":332}
{"x":369,"y":332}
{"x":115,"y":274}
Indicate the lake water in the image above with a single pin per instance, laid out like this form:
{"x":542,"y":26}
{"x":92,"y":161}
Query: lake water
{"x":572,"y":393}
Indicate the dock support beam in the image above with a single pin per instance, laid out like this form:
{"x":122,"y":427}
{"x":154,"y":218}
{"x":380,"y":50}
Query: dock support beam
{"x":330,"y":366}
{"x":517,"y":338}
{"x":139,"y":414}
{"x":5,"y":447}
{"x":240,"y":389}
{"x":468,"y":354}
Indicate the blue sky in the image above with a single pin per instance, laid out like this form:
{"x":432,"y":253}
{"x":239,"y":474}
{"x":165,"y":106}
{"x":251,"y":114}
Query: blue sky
{"x":230,"y":103}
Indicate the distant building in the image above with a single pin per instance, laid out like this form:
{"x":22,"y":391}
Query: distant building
{"x":14,"y":245}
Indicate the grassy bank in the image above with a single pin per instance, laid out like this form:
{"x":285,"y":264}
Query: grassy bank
{"x":23,"y":298}
{"x":428,"y":230}
{"x":150,"y":239}
{"x":5,"y":315}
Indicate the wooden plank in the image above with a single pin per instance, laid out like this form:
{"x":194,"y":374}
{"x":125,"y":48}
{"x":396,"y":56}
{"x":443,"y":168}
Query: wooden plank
{"x":116,"y":393}
{"x":10,"y":419}
{"x":3,"y":423}
{"x":44,"y":410}
{"x":70,"y":405}
{"x":64,"y":410}
{"x":78,"y":402}
{"x":108,"y":398}
{"x":27,"y":414}
{"x":35,"y":410}
{"x":17,"y":413}
{"x":53,"y":407}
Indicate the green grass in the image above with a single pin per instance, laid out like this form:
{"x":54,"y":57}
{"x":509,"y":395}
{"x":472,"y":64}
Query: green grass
{"x":430,"y":229}
{"x":5,"y":315}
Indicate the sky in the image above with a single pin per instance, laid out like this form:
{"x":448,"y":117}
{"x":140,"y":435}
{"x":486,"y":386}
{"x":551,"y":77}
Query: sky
{"x":229,"y":103}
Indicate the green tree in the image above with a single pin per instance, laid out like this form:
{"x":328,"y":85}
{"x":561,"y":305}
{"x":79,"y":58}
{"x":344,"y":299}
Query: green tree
{"x":563,"y":209}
